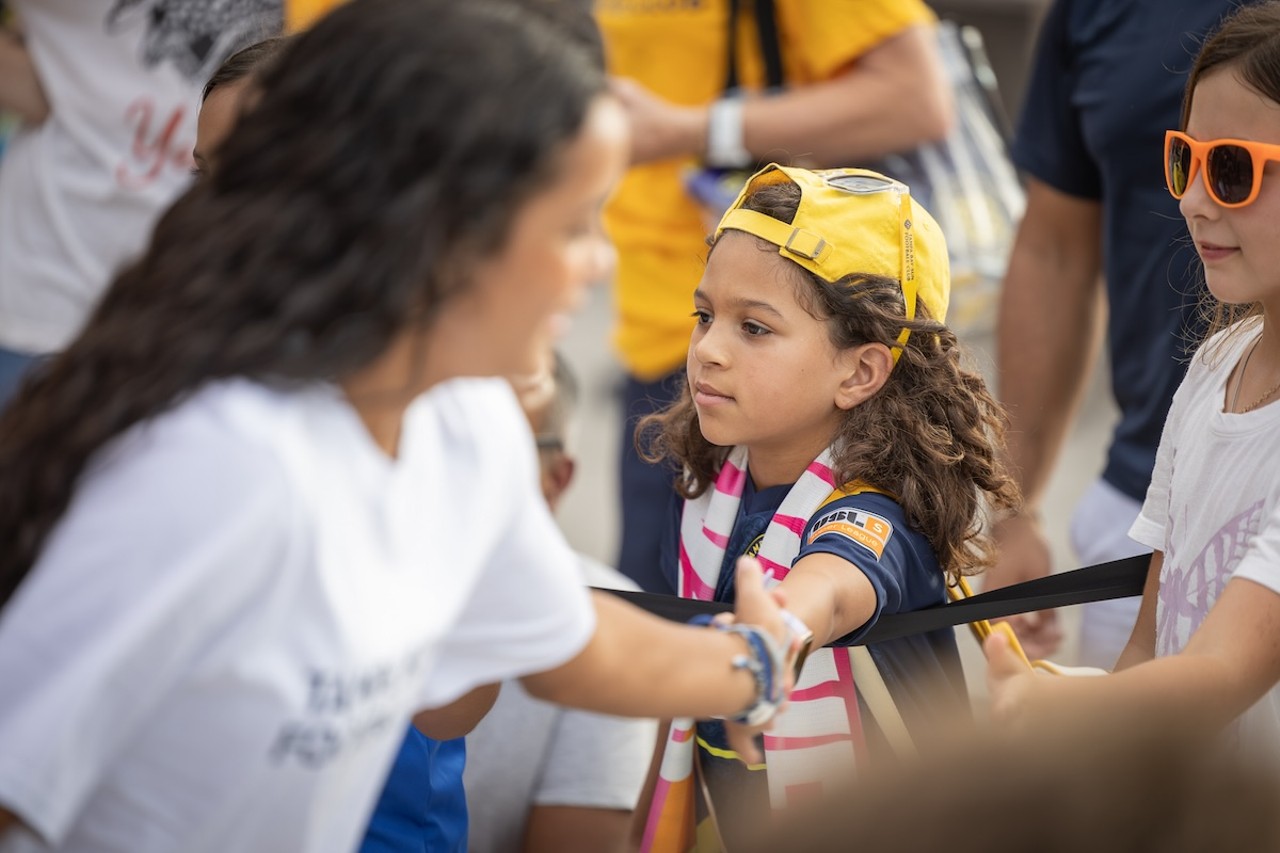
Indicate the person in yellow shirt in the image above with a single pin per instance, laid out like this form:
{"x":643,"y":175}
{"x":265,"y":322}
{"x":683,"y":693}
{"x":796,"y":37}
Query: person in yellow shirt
{"x":862,"y":79}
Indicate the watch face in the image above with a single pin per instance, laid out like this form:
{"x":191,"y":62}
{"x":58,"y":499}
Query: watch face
{"x":806,"y":646}
{"x":802,"y":631}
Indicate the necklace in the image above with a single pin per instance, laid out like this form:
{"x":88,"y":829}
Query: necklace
{"x":1244,"y":365}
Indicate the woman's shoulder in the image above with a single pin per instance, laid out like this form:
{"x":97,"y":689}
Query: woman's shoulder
{"x":225,"y":435}
{"x":484,"y":402}
{"x":215,"y":417}
{"x":474,"y":424}
{"x":185,"y":483}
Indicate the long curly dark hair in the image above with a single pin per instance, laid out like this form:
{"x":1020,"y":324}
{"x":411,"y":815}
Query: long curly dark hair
{"x":932,"y":436}
{"x":391,"y":143}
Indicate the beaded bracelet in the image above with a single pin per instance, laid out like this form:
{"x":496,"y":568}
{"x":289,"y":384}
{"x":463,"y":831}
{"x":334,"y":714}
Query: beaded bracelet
{"x":765,"y":660}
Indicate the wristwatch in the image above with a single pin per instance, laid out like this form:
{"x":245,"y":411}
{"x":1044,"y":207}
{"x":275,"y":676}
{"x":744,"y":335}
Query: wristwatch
{"x":725,"y":148}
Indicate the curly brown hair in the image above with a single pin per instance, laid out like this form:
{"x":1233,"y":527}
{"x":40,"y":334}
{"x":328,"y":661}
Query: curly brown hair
{"x":932,"y":436}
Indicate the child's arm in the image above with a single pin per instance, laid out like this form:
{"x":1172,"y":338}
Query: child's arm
{"x":830,"y":595}
{"x":639,"y":665}
{"x":1142,"y":642}
{"x":459,"y":717}
{"x":1231,"y":662}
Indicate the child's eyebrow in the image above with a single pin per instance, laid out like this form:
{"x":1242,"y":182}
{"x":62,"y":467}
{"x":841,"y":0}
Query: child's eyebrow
{"x":743,"y":304}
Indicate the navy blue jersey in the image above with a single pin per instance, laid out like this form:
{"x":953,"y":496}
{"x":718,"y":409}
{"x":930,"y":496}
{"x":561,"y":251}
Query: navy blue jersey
{"x":1106,"y":84}
{"x":870,"y":531}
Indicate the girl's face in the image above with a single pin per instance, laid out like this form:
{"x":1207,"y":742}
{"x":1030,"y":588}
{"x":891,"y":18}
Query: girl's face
{"x":519,"y":300}
{"x":762,"y":370}
{"x":1240,"y":247}
{"x":218,"y":115}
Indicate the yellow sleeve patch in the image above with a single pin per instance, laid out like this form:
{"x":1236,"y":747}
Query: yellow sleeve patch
{"x":867,"y":529}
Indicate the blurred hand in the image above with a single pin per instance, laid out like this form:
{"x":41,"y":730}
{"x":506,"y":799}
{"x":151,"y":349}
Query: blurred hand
{"x":1010,"y":681}
{"x":763,"y":609}
{"x":1024,"y":556}
{"x":742,"y":739}
{"x":659,"y":128}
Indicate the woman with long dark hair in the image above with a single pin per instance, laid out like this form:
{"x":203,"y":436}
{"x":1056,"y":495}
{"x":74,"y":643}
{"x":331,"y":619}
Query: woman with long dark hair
{"x":268,"y":503}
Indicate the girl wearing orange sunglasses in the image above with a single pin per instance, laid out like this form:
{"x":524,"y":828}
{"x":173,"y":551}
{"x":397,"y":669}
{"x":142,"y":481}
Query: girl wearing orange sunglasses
{"x":1205,"y":644}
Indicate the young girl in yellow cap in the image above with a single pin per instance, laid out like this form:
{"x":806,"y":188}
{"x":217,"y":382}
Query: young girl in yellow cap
{"x":828,"y":428}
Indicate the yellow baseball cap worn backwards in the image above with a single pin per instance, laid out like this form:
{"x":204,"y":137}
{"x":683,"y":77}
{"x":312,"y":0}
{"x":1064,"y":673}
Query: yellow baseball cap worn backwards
{"x":854,"y":221}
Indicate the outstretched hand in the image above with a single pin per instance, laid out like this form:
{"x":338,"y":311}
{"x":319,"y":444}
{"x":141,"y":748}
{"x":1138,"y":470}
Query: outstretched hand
{"x":762,"y":608}
{"x":1010,"y":679}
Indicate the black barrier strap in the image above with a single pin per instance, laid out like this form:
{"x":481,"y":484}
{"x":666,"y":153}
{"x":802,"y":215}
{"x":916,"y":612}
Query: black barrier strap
{"x":1105,"y":581}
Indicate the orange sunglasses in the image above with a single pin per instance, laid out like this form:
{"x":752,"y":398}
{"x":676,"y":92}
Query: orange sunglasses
{"x":1232,"y":168}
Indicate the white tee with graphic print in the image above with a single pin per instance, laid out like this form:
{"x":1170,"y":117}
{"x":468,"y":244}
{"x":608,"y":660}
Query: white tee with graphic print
{"x":80,"y":192}
{"x":1213,"y":508}
{"x":225,"y":634}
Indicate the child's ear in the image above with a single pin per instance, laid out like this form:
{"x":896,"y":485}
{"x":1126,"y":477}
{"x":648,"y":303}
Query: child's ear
{"x":557,"y":474}
{"x":868,"y":368}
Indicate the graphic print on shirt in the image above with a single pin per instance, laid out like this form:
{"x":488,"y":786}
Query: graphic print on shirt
{"x":1188,"y":591}
{"x":865,"y":528}
{"x":195,"y":36}
{"x":346,"y":707}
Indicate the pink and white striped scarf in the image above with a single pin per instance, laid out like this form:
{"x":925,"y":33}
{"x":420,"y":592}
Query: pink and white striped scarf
{"x":819,"y":736}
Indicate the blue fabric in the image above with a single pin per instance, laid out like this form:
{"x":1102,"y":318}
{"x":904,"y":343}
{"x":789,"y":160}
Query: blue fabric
{"x":646,"y":490}
{"x":1106,"y":83}
{"x":755,"y":511}
{"x":423,"y":806}
{"x":14,"y":367}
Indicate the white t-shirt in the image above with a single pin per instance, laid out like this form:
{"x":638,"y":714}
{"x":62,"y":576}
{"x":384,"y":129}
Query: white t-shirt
{"x":527,"y":752}
{"x":79,"y":193}
{"x":225,"y":636}
{"x":1213,"y":508}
